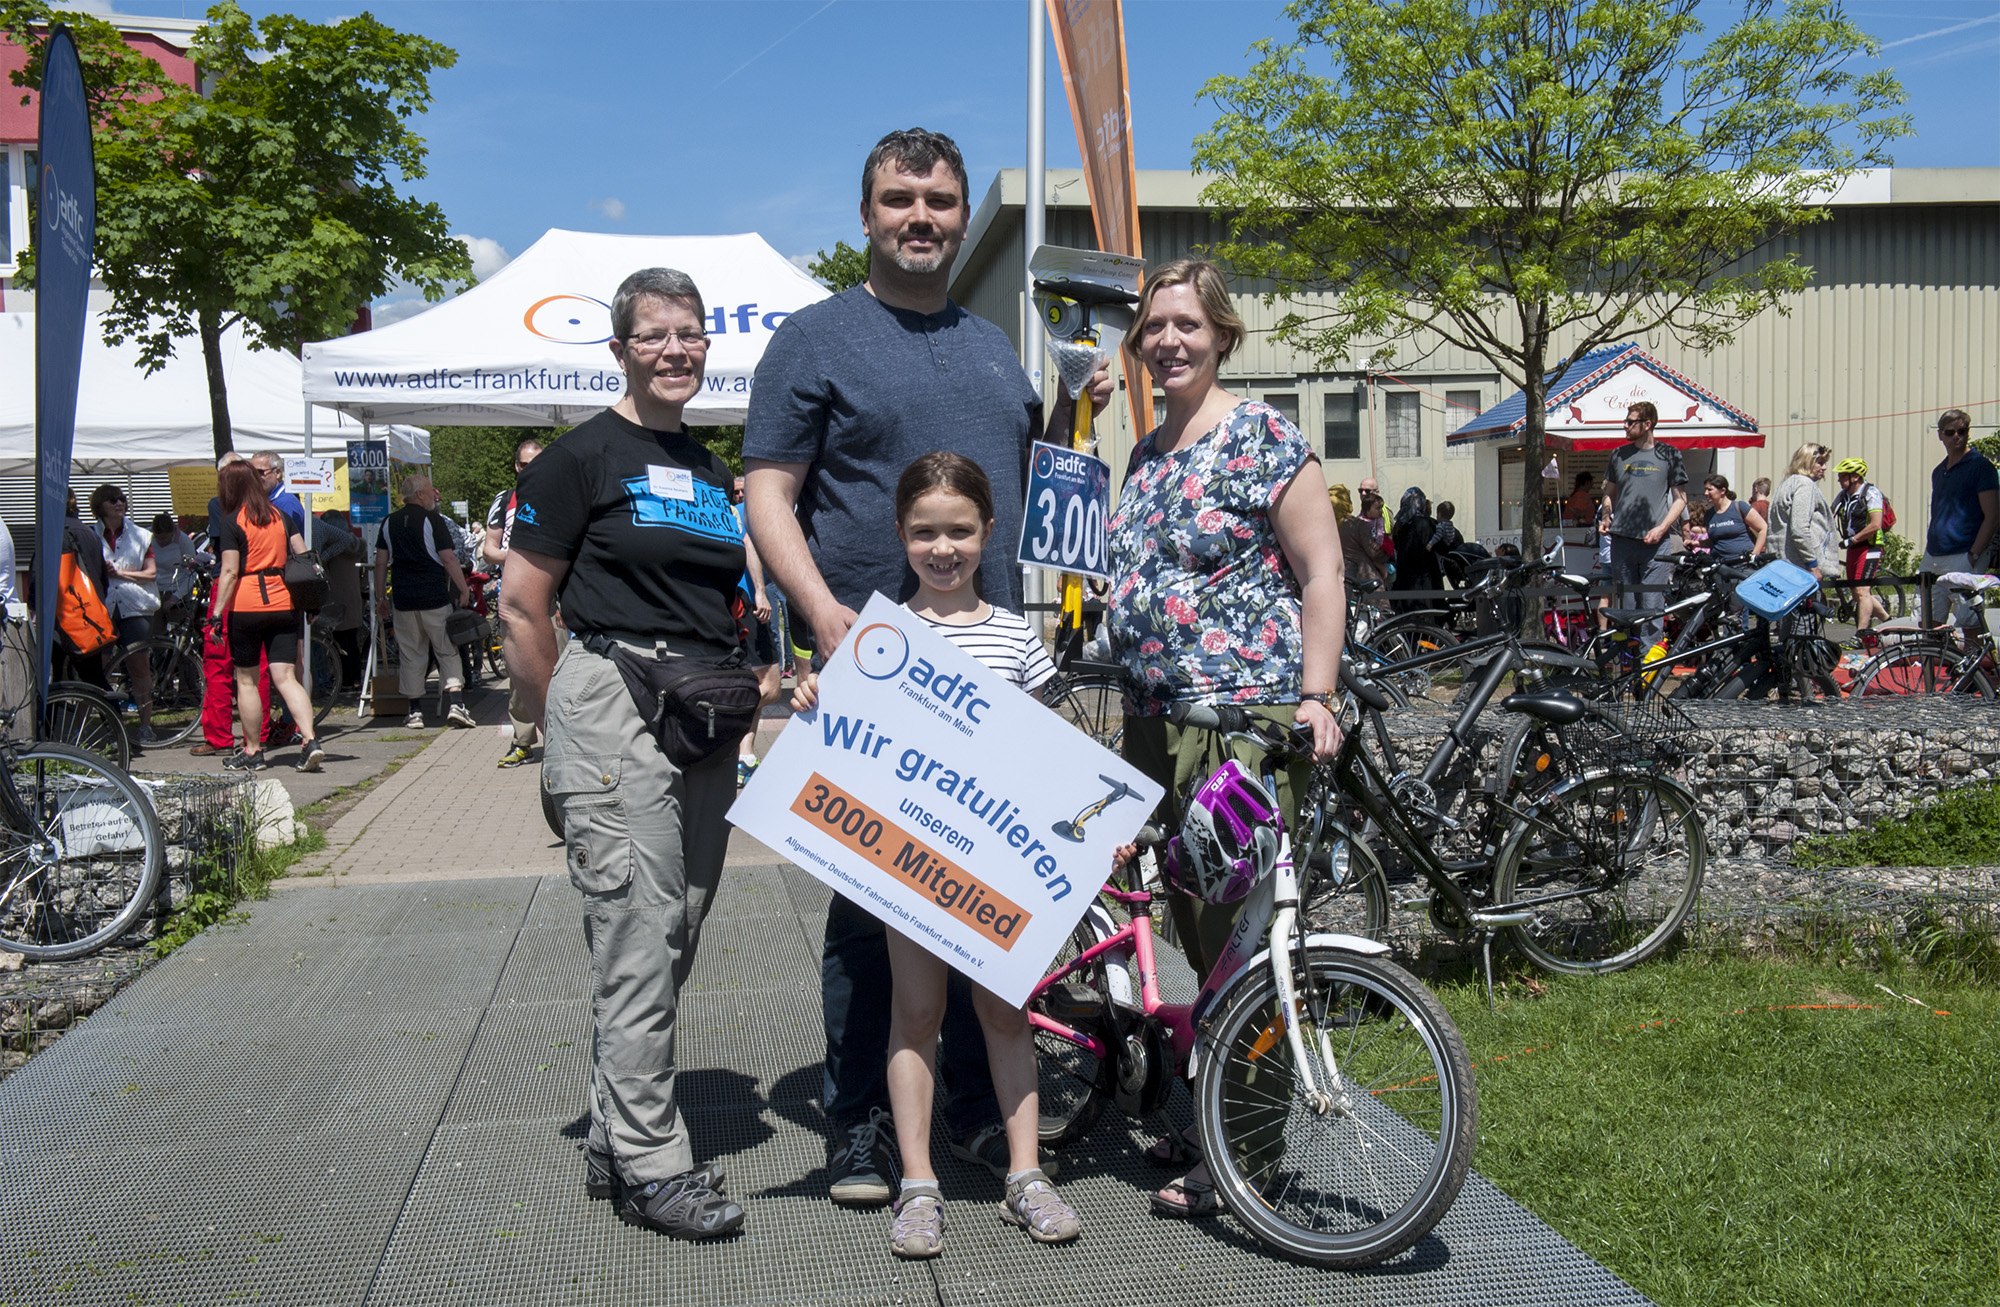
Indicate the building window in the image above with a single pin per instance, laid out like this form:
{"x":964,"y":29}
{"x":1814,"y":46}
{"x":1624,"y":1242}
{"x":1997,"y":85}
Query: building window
{"x":1403,"y":429}
{"x":1343,"y":425}
{"x":1460,"y":407}
{"x":6,"y":206}
{"x":1286,"y":402}
{"x":31,"y":186}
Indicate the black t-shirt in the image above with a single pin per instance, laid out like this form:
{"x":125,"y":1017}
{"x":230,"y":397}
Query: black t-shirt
{"x":643,"y":519}
{"x":415,"y":537}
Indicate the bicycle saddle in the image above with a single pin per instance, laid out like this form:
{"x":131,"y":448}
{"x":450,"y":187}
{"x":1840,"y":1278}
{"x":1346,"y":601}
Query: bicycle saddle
{"x":1551,"y":706}
{"x":1629,"y":616}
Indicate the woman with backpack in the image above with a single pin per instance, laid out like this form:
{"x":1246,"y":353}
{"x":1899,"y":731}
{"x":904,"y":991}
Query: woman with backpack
{"x":251,"y":600}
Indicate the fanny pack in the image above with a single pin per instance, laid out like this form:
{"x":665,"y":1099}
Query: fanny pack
{"x":693,"y":705}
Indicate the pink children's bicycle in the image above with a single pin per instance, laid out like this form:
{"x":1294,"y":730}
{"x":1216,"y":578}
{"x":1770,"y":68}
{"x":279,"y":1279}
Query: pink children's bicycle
{"x":1333,"y":1096}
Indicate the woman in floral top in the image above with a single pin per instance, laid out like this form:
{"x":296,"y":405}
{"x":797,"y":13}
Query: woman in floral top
{"x":1226,"y":581}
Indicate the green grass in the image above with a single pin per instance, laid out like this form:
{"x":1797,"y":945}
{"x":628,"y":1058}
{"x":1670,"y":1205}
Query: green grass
{"x":1737,"y":1131}
{"x":214,"y":899}
{"x":1959,"y":828}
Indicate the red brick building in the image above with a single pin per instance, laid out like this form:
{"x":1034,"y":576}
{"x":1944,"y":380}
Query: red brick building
{"x":165,"y":40}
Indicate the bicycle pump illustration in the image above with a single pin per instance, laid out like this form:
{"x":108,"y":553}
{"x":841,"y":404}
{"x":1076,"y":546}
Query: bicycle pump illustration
{"x":1085,"y":298}
{"x":1072,"y":830}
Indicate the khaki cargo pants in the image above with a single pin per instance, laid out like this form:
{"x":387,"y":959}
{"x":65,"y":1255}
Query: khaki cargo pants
{"x":645,"y":842}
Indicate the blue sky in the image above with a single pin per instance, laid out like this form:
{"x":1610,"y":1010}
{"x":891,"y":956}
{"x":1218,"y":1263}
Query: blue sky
{"x":716,"y":116}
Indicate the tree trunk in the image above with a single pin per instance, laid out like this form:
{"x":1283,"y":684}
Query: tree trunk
{"x":210,"y":325}
{"x":1534,"y":455}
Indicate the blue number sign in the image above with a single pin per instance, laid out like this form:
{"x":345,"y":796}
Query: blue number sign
{"x":1069,"y":503}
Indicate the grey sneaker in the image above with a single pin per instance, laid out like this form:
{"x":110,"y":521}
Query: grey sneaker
{"x":685,"y":1207}
{"x":1033,"y":1204}
{"x":918,"y":1230}
{"x":415,"y":721}
{"x":459,"y":716}
{"x":861,"y":1172}
{"x":988,"y":1148}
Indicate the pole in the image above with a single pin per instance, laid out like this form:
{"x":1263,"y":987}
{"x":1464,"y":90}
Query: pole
{"x":305,"y":632}
{"x":1035,"y":228}
{"x":373,"y":662}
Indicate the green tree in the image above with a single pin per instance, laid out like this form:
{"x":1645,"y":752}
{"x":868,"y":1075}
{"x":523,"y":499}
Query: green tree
{"x":1531,"y":179}
{"x":844,"y":268}
{"x":477,"y":463}
{"x":270,"y":200}
{"x":114,"y":74}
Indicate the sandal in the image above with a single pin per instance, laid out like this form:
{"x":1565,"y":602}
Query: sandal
{"x":1176,"y":1148}
{"x":1198,"y":1200}
{"x":1033,"y":1204}
{"x":918,"y":1230}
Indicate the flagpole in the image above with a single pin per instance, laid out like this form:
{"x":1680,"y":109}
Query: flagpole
{"x":1035,"y":228}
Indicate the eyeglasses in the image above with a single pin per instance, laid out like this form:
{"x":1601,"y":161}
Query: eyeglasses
{"x":1954,"y":431}
{"x":652,"y":342}
{"x":1633,"y":422}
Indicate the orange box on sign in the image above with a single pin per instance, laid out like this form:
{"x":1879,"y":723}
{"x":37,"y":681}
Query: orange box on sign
{"x":902,"y":855}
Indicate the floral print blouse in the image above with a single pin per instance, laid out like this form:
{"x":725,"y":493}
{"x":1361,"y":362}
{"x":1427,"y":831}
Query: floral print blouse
{"x":1203,"y":606}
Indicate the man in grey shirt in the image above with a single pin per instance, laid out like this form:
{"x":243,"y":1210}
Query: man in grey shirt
{"x":849,"y":392}
{"x":1645,"y":493}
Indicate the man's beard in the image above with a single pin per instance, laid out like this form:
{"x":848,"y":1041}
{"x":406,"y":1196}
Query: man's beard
{"x":919,"y":265}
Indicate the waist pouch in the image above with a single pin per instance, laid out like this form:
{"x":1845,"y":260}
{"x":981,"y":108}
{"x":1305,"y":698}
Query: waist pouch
{"x":693,"y":706}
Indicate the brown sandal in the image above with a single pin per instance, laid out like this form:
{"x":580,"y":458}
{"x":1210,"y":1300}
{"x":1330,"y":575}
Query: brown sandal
{"x":1175,"y":1148}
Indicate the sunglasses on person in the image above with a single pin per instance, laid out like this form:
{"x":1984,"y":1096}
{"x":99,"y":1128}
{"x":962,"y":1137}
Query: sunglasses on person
{"x":1954,"y":431}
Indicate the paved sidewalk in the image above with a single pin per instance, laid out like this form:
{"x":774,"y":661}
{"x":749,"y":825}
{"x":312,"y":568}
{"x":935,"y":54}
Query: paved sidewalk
{"x":374,"y":1094}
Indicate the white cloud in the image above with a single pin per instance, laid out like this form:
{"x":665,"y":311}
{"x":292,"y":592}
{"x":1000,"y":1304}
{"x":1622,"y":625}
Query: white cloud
{"x":387,"y":311}
{"x":803,"y":262}
{"x":488,"y":255}
{"x":611,"y":207}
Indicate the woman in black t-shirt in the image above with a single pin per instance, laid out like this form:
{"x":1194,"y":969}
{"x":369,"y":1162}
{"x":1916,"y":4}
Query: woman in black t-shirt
{"x":627,"y":520}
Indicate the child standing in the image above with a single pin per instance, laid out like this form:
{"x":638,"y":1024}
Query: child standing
{"x":944,"y":517}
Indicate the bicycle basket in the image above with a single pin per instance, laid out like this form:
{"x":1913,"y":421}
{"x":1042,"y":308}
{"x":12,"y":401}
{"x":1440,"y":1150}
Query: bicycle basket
{"x":1228,"y":839}
{"x":1651,"y":732}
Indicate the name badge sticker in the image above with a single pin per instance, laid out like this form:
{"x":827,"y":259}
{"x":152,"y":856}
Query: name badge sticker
{"x":670,"y":482}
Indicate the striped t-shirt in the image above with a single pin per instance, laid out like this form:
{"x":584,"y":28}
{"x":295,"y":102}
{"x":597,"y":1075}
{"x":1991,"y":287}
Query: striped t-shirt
{"x":1004,"y":642}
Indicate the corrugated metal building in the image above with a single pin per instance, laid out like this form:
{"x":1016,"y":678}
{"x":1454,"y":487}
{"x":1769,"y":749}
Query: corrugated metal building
{"x":1902,"y":321}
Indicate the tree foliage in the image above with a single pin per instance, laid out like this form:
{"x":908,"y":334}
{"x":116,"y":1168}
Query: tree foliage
{"x":271,"y":199}
{"x":846,"y":267}
{"x":1530,"y":179}
{"x":477,"y":463}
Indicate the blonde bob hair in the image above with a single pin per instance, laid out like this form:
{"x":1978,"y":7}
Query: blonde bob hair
{"x":1209,"y":287}
{"x":1806,"y":456}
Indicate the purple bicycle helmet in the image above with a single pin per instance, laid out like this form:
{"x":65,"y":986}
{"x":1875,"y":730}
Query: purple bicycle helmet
{"x":1228,"y":839}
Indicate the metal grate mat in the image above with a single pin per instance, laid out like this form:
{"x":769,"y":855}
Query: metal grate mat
{"x":450,"y":1116}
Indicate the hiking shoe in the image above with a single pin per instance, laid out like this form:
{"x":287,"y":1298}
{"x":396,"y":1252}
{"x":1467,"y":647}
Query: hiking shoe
{"x":682,"y":1208}
{"x":1033,"y":1204}
{"x":459,"y":716}
{"x":918,"y":1230}
{"x":415,"y":721}
{"x":515,"y":756}
{"x":862,"y":1171}
{"x":601,"y":1178}
{"x":244,"y":762}
{"x":144,"y":735}
{"x":988,"y":1148}
{"x":206,"y":750}
{"x":312,"y":759}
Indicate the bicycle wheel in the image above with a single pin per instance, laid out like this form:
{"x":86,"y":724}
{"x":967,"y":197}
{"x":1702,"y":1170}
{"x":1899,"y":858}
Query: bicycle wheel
{"x":178,"y":686}
{"x":81,"y":717}
{"x":1094,"y":703}
{"x":1396,"y":641}
{"x":1343,"y":889}
{"x":1919,"y":671}
{"x":1370,"y":1178}
{"x":1071,"y":1080}
{"x":1535,"y":756}
{"x":80,"y":852}
{"x":1610,"y":864}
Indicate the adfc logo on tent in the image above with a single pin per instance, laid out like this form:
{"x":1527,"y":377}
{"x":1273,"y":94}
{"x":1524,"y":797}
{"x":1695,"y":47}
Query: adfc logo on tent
{"x":569,"y":319}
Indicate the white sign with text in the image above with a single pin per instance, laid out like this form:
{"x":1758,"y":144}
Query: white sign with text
{"x":951,"y":805}
{"x":309,"y":476}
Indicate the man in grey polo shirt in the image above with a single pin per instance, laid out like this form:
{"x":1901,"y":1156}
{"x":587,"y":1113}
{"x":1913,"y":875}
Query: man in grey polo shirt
{"x":1645,"y":493}
{"x":850,"y":391}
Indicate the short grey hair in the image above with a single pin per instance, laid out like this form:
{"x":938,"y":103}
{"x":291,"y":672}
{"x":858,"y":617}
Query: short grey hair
{"x":652,"y":283}
{"x":413,"y":483}
{"x":268,"y":457}
{"x":231,"y":457}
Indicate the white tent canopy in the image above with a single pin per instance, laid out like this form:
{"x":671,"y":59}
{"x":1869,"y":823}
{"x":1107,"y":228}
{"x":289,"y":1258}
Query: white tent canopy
{"x":528,"y":346}
{"x":143,"y":423}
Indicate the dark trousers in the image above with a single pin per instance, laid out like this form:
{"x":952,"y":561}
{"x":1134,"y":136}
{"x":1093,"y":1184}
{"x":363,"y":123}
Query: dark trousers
{"x":855,"y":987}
